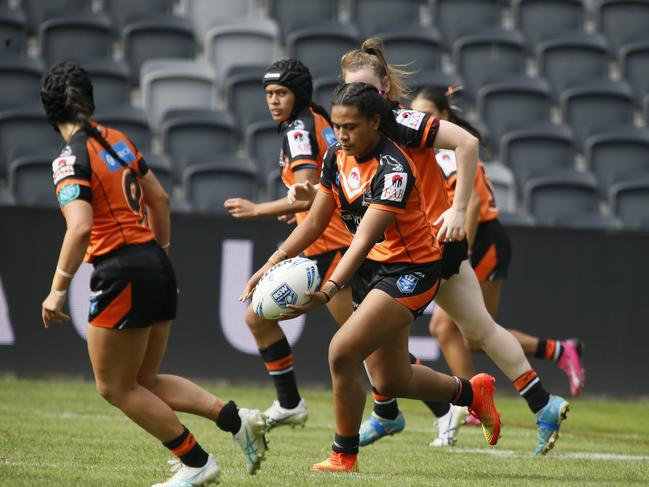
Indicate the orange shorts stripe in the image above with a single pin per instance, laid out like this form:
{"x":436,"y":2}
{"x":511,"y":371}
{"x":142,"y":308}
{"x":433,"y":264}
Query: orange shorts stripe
{"x":550,"y":348}
{"x":414,"y":303}
{"x":116,"y":310}
{"x":379,"y":397}
{"x":185,"y":447}
{"x":279,"y":364}
{"x":332,"y":266}
{"x":522,"y":381}
{"x":487,"y":264}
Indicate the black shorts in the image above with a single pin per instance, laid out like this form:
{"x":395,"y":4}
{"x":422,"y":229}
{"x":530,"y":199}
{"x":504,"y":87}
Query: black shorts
{"x":327,"y":262}
{"x":453,"y":253}
{"x":412,"y":285}
{"x":132,"y":287}
{"x":492,"y":251}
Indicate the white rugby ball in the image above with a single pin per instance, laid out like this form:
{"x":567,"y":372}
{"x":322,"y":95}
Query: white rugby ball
{"x":285,"y":283}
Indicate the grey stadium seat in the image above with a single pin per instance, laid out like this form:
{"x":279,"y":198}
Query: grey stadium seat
{"x":513,"y":104}
{"x":246,"y":99}
{"x":20,"y":76}
{"x":488,"y":57}
{"x":634,"y":67}
{"x":161,"y":37}
{"x":197,"y":135}
{"x":263,"y":144}
{"x":458,"y":18}
{"x":531,"y":152}
{"x":595,"y":108}
{"x":39,"y":10}
{"x":622,"y":21}
{"x":438,"y":79}
{"x":275,"y":187}
{"x":250,"y":42}
{"x":111,"y":83}
{"x":571,"y":60}
{"x":13,"y":31}
{"x":207,"y":186}
{"x":205,"y":14}
{"x":26,"y":132}
{"x":76,"y":38}
{"x":617,"y":155}
{"x":540,"y":20}
{"x":292,"y":15}
{"x":629,"y":200}
{"x":321,"y":47}
{"x":161,"y":167}
{"x":132,"y":121}
{"x":374,"y":16}
{"x":323,"y":89}
{"x":123,"y":12}
{"x":502,"y":181}
{"x":175,"y":84}
{"x":30,"y":181}
{"x":416,"y":48}
{"x":550,"y":197}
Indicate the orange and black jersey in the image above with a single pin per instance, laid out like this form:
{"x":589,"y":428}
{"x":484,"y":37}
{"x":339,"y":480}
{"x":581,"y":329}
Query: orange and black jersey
{"x":85,"y":170}
{"x":304,"y":143}
{"x":385,"y":179}
{"x":481,"y":184}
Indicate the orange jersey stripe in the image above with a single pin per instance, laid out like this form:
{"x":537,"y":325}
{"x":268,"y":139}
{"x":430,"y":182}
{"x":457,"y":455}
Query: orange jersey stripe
{"x":487,"y":264}
{"x":116,"y":310}
{"x":417,"y":302}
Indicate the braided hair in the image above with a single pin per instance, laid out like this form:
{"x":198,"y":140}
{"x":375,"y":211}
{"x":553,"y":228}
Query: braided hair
{"x":67,"y":97}
{"x":369,"y":102}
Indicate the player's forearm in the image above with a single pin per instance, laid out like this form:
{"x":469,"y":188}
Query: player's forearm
{"x":304,"y":235}
{"x":73,"y":250}
{"x":281,"y":207}
{"x":466,"y":154}
{"x":159,"y":218}
{"x":472,"y":216}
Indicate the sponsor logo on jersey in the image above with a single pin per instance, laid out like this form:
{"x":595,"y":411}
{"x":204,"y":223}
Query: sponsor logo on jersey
{"x":124,"y":152}
{"x":367,"y":197}
{"x":410,"y":119}
{"x":446,"y":160}
{"x":388,"y":160}
{"x":68,"y":193}
{"x":354,"y":178}
{"x":394,"y":186}
{"x":329,"y":136}
{"x":284,"y":296}
{"x":407,"y":283}
{"x":63,"y":167}
{"x":299,"y":143}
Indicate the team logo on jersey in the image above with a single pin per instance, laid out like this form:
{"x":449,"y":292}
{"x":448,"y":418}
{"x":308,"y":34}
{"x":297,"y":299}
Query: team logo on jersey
{"x":284,"y":296}
{"x":446,"y":160}
{"x":63,"y":167}
{"x":410,"y":119}
{"x":367,"y":198}
{"x":354,"y":178}
{"x":394,"y":186}
{"x":66,"y":151}
{"x":123,"y":151}
{"x":391,"y":161}
{"x":329,"y":136}
{"x":297,"y":124}
{"x":299,"y":143}
{"x":407,"y":283}
{"x":68,"y":193}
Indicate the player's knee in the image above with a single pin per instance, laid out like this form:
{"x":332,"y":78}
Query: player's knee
{"x":147,"y":381}
{"x":258,"y":326}
{"x":342,"y":359}
{"x":387,"y":384}
{"x":114,"y":394}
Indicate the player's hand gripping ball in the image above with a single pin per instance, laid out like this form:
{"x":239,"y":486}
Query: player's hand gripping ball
{"x":285,"y":283}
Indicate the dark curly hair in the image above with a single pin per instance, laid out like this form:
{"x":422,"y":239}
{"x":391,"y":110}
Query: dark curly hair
{"x":67,"y":97}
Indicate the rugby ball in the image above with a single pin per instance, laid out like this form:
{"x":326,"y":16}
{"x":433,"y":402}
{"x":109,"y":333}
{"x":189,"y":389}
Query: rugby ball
{"x":285,"y":283}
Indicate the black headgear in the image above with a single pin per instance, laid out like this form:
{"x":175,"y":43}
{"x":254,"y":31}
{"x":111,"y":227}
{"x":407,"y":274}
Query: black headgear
{"x":296,"y":77}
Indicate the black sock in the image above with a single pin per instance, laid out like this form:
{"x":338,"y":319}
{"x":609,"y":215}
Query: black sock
{"x":438,"y":408}
{"x":346,"y":444}
{"x":279,"y":364}
{"x":463,"y":395}
{"x":384,"y":406}
{"x":187,"y":449}
{"x":529,"y":386}
{"x":549,"y":349}
{"x":229,"y":419}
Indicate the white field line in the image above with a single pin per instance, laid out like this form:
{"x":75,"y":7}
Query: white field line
{"x":606,"y":457}
{"x":56,"y":466}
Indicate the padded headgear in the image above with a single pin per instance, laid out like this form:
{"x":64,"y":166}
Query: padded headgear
{"x":296,"y":77}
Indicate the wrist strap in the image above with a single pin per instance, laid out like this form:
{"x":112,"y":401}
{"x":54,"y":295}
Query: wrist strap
{"x":60,"y":293}
{"x":63,"y":273}
{"x":338,"y":286}
{"x":327,"y":297}
{"x":165,"y":246}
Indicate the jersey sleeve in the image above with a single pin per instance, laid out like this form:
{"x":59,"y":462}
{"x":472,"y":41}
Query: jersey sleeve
{"x":392,"y":184}
{"x":328,"y":174}
{"x":71,"y":173}
{"x":415,"y":129}
{"x":300,"y":144}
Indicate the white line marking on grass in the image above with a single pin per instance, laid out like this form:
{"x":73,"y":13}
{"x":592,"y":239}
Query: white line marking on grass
{"x":34,"y":464}
{"x":610,"y":457}
{"x":75,"y":416}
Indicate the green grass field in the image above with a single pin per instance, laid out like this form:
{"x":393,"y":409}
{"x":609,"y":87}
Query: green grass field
{"x":61,"y":433}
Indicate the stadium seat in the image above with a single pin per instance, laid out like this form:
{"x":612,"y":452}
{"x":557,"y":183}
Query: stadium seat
{"x":275,"y":187}
{"x":207,"y":186}
{"x":489,"y":57}
{"x":175,"y":84}
{"x":531,"y":152}
{"x":374,"y":16}
{"x":263,"y":144}
{"x":458,"y":18}
{"x":20,"y":76}
{"x":563,"y":193}
{"x":246,"y":100}
{"x":250,"y":42}
{"x":323,"y":89}
{"x":161,"y":167}
{"x":161,"y":37}
{"x":26,"y":132}
{"x":196,"y":135}
{"x":438,"y":79}
{"x":13,"y":30}
{"x":131,"y":121}
{"x":634,"y":68}
{"x":622,"y":22}
{"x":629,"y":200}
{"x":416,"y":48}
{"x":30,"y":181}
{"x":595,"y":108}
{"x":540,"y":20}
{"x":123,"y":12}
{"x":589,"y":221}
{"x":39,"y":10}
{"x":292,"y":15}
{"x":111,"y":83}
{"x":572,"y":60}
{"x":321,"y":47}
{"x":205,"y":14}
{"x":513,"y":104}
{"x":76,"y":38}
{"x":502,"y":181}
{"x":617,"y":155}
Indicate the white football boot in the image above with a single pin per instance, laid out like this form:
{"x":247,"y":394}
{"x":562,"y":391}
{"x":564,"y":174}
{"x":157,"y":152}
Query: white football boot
{"x":185,"y":476}
{"x":251,"y":437}
{"x":448,"y":425}
{"x":278,"y":416}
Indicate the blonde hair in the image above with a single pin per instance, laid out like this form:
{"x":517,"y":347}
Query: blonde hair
{"x":370,"y":55}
